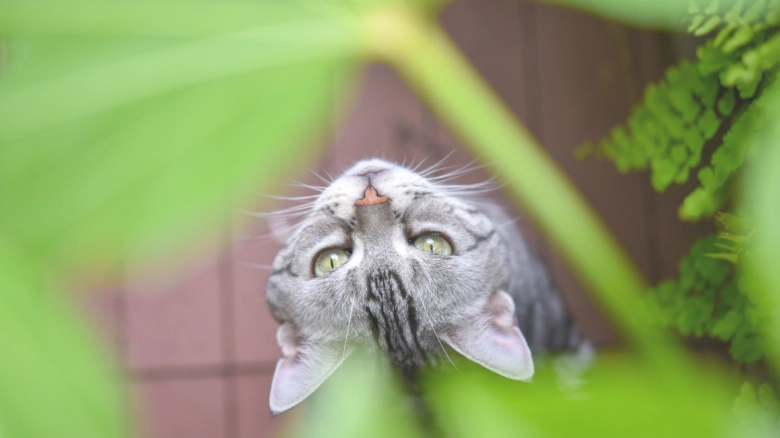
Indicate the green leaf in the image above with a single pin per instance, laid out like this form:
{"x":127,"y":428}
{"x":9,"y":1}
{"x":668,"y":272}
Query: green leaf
{"x":696,"y":21}
{"x":711,"y":299}
{"x":739,"y":38}
{"x":708,"y":26}
{"x":473,"y":402}
{"x":665,"y":14}
{"x":447,"y":82}
{"x":54,"y":380}
{"x":138,"y":145}
{"x":727,"y":102}
{"x":712,"y":8}
{"x":747,"y":347}
{"x":746,"y":407}
{"x":725,"y":161}
{"x":760,"y":194}
{"x":731,"y":257}
{"x":726,"y":326}
{"x":147,"y":18}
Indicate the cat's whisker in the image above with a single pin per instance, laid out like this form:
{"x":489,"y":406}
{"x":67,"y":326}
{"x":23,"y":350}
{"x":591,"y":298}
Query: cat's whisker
{"x":273,"y":234}
{"x":436,"y":165}
{"x":430,"y":280}
{"x":458,"y":171}
{"x":466,"y":190}
{"x":466,"y":194}
{"x":302,"y":206}
{"x":512,"y":222}
{"x":415,"y":168}
{"x":289,"y":211}
{"x":307,"y":186}
{"x":491,"y":182}
{"x":442,"y":180}
{"x":289,"y":198}
{"x":326,"y":181}
{"x":433,"y":179}
{"x":257,"y":266}
{"x":277,"y":215}
{"x":346,"y":337}
{"x":329,"y":175}
{"x":430,"y":321}
{"x":250,"y":237}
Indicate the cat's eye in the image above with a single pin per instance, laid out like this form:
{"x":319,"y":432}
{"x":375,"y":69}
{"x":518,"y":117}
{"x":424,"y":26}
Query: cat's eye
{"x":330,"y":260}
{"x":433,"y":243}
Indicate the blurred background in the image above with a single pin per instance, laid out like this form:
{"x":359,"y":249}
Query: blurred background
{"x":198,"y":344}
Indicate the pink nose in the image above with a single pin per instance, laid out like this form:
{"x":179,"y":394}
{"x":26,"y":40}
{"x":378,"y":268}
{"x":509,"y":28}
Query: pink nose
{"x":371,"y":198}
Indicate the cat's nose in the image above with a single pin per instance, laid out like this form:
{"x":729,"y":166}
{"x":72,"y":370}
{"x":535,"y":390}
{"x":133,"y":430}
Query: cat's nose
{"x":371,"y":197}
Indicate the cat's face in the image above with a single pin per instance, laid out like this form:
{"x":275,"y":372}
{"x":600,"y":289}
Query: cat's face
{"x":389,"y":261}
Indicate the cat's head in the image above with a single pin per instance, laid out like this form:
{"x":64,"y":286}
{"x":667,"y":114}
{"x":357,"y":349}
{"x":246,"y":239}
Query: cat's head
{"x":390,"y":261}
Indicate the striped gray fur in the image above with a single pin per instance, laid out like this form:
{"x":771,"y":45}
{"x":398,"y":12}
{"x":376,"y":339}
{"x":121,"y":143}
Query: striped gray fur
{"x":393,"y":299}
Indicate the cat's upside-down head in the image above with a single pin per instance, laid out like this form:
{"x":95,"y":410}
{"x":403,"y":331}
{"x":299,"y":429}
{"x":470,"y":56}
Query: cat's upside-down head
{"x":390,"y":261}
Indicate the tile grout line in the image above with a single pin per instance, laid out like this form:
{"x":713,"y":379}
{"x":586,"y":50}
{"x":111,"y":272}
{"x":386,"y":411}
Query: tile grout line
{"x":120,"y":307}
{"x":651,"y":205}
{"x":528,"y":18}
{"x":122,"y":348}
{"x":531,"y":68}
{"x":199,"y":372}
{"x":227,"y":327}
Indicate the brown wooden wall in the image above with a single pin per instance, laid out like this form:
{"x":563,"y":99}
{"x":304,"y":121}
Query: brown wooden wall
{"x":198,"y":345}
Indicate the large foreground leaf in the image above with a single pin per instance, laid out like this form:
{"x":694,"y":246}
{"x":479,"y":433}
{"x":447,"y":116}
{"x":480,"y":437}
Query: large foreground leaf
{"x":114,"y":144}
{"x":53,"y":382}
{"x":762,"y":196}
{"x":618,"y":397}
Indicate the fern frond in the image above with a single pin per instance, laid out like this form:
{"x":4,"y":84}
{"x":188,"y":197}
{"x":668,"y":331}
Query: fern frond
{"x":668,"y":130}
{"x":758,"y":410}
{"x":710,"y":196}
{"x":710,"y":298}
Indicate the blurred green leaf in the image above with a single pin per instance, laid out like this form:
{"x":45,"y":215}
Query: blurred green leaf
{"x":163,"y":18}
{"x":363,"y":398}
{"x":761,"y":194}
{"x":115,"y":145}
{"x":440,"y":74}
{"x":619,"y":398}
{"x":758,"y":410}
{"x":665,"y":14}
{"x":53,"y":380}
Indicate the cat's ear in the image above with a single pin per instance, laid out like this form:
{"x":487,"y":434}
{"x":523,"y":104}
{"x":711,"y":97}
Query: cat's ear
{"x":493,"y":340}
{"x":302,"y":369}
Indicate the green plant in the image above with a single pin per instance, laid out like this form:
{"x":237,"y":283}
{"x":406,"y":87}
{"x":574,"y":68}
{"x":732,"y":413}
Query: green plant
{"x":112,"y":112}
{"x":730,"y":89}
{"x":728,"y":85}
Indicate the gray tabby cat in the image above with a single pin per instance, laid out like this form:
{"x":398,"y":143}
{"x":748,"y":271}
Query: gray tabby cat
{"x":391,"y":262}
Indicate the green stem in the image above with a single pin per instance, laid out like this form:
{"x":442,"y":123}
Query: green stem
{"x":459,"y":96}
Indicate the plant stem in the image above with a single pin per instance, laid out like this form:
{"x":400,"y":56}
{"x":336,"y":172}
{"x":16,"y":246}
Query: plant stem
{"x":460,"y":97}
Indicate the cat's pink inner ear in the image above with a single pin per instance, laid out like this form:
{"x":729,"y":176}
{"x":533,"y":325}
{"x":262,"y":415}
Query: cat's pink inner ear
{"x":493,"y":340}
{"x":301,"y":370}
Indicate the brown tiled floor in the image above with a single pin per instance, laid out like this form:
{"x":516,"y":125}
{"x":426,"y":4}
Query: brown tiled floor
{"x":197,"y":343}
{"x":189,"y":372}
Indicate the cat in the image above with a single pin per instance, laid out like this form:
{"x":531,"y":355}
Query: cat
{"x":390,"y":261}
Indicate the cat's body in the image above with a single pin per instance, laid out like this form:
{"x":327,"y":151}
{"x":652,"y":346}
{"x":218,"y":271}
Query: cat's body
{"x":391,"y":262}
